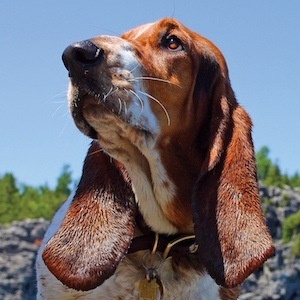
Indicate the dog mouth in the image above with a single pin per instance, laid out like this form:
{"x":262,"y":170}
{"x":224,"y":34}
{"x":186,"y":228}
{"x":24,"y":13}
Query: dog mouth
{"x":88,"y":108}
{"x":91,"y":107}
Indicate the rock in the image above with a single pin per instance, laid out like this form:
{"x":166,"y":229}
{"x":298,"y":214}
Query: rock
{"x":273,"y":222}
{"x":18,"y":252}
{"x":274,"y":191}
{"x":279,"y":278}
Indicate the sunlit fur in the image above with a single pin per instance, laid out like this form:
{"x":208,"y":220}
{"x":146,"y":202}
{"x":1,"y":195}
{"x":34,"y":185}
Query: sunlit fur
{"x":166,"y":124}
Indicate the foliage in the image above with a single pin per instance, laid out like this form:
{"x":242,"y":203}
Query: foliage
{"x":296,"y":246}
{"x":64,"y":181}
{"x":20,"y":202}
{"x":263,"y":163}
{"x":291,"y":227}
{"x":291,"y":232}
{"x":269,"y":172}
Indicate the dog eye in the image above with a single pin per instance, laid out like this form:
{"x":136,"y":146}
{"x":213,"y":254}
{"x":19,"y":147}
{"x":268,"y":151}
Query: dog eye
{"x":173,"y":43}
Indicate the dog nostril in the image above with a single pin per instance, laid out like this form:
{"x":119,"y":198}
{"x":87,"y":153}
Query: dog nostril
{"x":82,"y":54}
{"x":87,"y":52}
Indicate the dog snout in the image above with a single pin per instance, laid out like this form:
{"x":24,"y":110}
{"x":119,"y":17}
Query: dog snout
{"x":80,"y":57}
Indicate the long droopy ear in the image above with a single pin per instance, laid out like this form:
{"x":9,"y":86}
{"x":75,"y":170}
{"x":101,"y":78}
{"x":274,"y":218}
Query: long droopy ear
{"x":229,"y":225}
{"x":97,"y":230}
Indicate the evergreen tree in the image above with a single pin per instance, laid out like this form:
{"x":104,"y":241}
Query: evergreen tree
{"x":270,"y":174}
{"x":263,"y":162}
{"x":273,"y":176}
{"x":295,"y":180}
{"x":23,"y":201}
{"x":64,"y":181}
{"x":9,"y":195}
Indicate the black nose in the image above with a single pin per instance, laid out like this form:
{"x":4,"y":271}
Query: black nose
{"x":81,"y":56}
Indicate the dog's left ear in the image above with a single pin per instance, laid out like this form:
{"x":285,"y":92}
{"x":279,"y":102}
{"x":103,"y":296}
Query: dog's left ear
{"x":229,"y":225}
{"x":98,"y":227}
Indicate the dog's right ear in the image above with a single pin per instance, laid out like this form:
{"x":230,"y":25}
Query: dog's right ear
{"x":230,"y":227}
{"x":97,"y":229}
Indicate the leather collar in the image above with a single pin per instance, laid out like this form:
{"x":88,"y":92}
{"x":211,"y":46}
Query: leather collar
{"x":178,"y":245}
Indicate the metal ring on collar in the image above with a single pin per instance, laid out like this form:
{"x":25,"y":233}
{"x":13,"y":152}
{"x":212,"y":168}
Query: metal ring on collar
{"x":156,"y":267}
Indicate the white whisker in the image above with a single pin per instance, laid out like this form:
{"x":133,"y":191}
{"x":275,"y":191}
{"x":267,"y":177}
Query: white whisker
{"x":64,"y":127}
{"x":141,"y":101}
{"x":120,"y":105}
{"x":137,"y":65}
{"x":95,"y":152}
{"x":107,"y":94}
{"x":111,"y":91}
{"x":59,"y":102}
{"x":57,"y":109}
{"x":114,"y":91}
{"x":59,"y":95}
{"x":125,"y":109}
{"x":65,"y":114}
{"x":154,"y":79}
{"x":161,"y":105}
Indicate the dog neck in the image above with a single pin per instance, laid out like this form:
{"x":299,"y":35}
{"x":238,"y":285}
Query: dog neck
{"x":178,"y":245}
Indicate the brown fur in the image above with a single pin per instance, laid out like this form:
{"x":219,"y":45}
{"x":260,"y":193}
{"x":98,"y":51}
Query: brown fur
{"x":86,"y":240}
{"x":206,"y":150}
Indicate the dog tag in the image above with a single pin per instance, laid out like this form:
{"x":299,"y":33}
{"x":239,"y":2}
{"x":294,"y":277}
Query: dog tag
{"x":149,"y":290}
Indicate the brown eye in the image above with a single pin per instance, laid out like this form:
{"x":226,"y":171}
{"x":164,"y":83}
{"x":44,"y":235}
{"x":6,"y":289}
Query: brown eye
{"x":173,"y":43}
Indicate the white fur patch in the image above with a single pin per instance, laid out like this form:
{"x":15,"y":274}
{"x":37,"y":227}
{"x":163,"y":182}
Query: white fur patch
{"x":121,"y":54}
{"x":151,"y":198}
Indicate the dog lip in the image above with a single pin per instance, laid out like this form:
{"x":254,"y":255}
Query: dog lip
{"x":79,"y":119}
{"x":86,"y":108}
{"x":84,"y":126}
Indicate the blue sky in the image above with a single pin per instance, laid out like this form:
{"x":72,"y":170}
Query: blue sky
{"x":260,"y":40}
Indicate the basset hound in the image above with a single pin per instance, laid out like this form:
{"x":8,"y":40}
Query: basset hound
{"x":168,"y":205}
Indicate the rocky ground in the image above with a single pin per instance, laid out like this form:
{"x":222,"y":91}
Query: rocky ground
{"x":278,"y":279}
{"x":19,"y":243}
